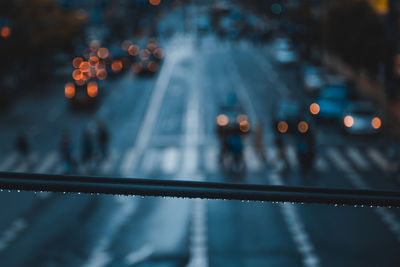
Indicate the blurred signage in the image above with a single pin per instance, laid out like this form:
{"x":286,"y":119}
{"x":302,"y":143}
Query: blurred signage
{"x":380,"y":6}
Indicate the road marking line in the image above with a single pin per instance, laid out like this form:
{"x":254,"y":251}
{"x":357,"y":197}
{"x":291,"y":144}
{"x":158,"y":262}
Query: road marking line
{"x":297,"y":230}
{"x":26,"y":163}
{"x":48,"y":162}
{"x":130,"y":163}
{"x":377,"y":157}
{"x":252,"y":161}
{"x":321,"y":164}
{"x":150,"y":160}
{"x":292,"y":157}
{"x":190,"y":160}
{"x":107,"y":165}
{"x":198,"y":235}
{"x":138,"y":256}
{"x":357,"y":158}
{"x":338,"y":159}
{"x":170,"y":160}
{"x":9,"y":161}
{"x":100,"y":255}
{"x":211,"y":159}
{"x":11,"y":234}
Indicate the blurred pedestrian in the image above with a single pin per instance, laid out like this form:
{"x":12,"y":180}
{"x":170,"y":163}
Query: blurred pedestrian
{"x":66,"y":152}
{"x":103,"y":138}
{"x":87,"y":147}
{"x":282,"y":156}
{"x":22,"y":146}
{"x":258,"y":142}
{"x":305,"y":148}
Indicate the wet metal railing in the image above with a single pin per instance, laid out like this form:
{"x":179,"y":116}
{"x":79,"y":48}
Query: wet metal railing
{"x":192,"y":189}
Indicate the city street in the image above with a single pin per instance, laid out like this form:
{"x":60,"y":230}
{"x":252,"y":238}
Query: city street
{"x":164,"y":127}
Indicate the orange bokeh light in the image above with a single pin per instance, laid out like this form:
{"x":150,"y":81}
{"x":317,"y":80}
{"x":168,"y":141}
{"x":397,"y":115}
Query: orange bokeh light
{"x":93,"y":61}
{"x":69,"y":90}
{"x":133,"y":50}
{"x":376,"y":123}
{"x":77,"y":74}
{"x":222,"y":120}
{"x":314,"y":108}
{"x":244,"y":126}
{"x":77,"y":62}
{"x":154,"y":2}
{"x":5,"y":32}
{"x":144,"y":54}
{"x":101,"y":74}
{"x":302,"y":126}
{"x":80,"y":82}
{"x":92,"y":89}
{"x":348,"y":121}
{"x":116,"y":66}
{"x":84,"y":66}
{"x":152,"y":66}
{"x":282,"y":126}
{"x":125,"y":45}
{"x":103,"y":53}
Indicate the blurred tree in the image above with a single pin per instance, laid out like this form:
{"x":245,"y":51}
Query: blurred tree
{"x":355,"y":33}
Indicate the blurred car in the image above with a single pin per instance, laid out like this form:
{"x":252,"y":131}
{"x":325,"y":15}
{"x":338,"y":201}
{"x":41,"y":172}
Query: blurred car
{"x":331,"y":103}
{"x":287,"y":116}
{"x":231,"y":120}
{"x":148,"y":59}
{"x":284,"y":52}
{"x":312,"y":79}
{"x":361,"y":118}
{"x":84,"y":96}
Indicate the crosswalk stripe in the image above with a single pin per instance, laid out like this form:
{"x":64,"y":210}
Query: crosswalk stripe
{"x":292,"y":158}
{"x":321,"y":164}
{"x":49,"y":160}
{"x":170,"y":160}
{"x":8,"y":162}
{"x":190,"y":160}
{"x":25,"y":164}
{"x":337,"y":159}
{"x":211,"y":158}
{"x":357,"y":158}
{"x":109,"y":163}
{"x":150,"y":160}
{"x":377,"y":157}
{"x":252,"y":161}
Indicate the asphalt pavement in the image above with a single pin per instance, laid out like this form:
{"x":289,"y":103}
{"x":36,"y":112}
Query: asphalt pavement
{"x":163,"y":127}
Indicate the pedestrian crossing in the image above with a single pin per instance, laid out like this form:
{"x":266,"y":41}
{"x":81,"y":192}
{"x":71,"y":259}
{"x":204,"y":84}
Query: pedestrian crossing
{"x":172,"y":160}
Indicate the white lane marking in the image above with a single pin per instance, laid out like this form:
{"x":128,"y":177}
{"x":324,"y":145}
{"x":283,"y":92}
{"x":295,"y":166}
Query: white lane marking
{"x":211,"y":159}
{"x":170,"y":160}
{"x":359,"y":160}
{"x":130,"y":163}
{"x":292,"y":157}
{"x":338,"y":159}
{"x":138,"y":256}
{"x":108,"y":164}
{"x":150,"y":160}
{"x":190,"y":160}
{"x":8,"y":162}
{"x":321,"y":164}
{"x":47,"y":163}
{"x":380,"y":160}
{"x":252,"y":161}
{"x":100,"y":255}
{"x":198,"y":235}
{"x":11,"y":234}
{"x":297,"y":230}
